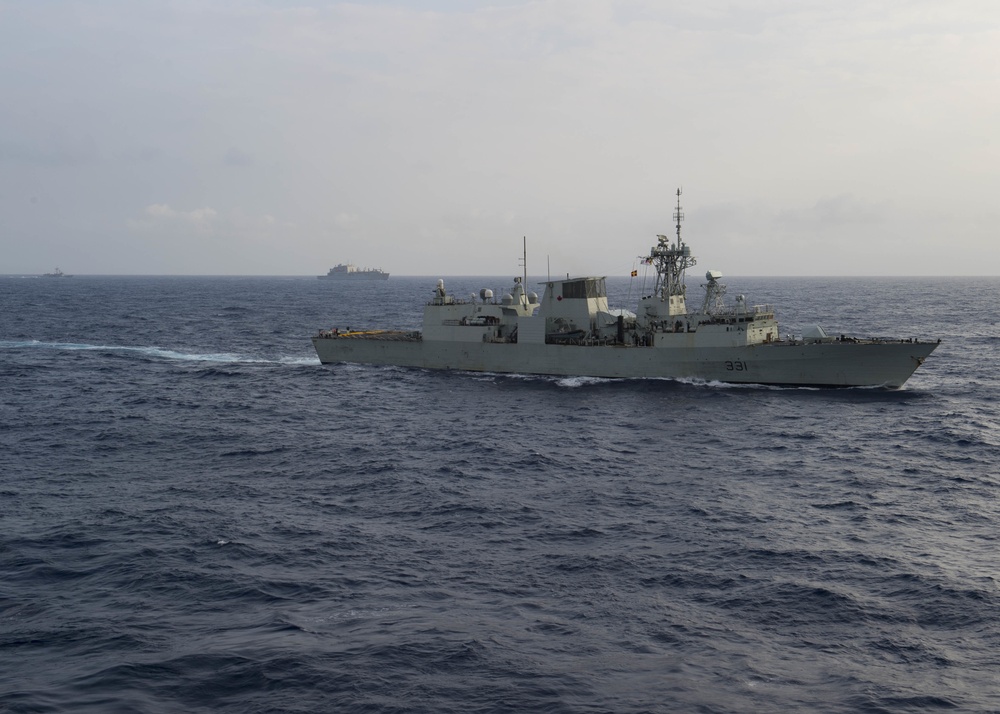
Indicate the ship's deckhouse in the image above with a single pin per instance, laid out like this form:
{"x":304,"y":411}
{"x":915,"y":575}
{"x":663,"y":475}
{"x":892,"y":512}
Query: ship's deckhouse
{"x":485,"y":320}
{"x":571,"y":309}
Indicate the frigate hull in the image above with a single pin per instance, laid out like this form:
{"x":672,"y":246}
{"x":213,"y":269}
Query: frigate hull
{"x":821,"y":364}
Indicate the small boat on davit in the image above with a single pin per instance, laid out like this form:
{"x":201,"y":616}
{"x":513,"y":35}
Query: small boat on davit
{"x":573,"y":332}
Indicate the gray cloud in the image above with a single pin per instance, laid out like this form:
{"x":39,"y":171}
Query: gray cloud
{"x":436,"y":134}
{"x":834,"y":213}
{"x":237,"y":157}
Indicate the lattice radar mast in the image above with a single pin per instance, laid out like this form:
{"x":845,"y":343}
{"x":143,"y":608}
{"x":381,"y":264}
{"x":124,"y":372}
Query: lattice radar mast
{"x":670,"y":262}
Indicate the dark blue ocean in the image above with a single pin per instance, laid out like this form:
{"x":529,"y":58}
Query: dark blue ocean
{"x":197,"y":516}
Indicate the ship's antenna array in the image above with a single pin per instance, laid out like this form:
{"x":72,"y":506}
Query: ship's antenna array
{"x":678,"y":216}
{"x":670,"y":262}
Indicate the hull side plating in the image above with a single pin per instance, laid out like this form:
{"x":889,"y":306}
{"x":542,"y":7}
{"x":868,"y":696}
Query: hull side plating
{"x":875,"y":364}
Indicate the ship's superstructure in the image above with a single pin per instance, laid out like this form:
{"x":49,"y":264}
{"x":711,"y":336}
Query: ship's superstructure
{"x":572,"y":331}
{"x":349,"y":271}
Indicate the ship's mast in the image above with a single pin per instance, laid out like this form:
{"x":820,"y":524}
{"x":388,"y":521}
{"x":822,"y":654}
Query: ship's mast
{"x":678,"y":216}
{"x":670,"y":262}
{"x":524,"y":263}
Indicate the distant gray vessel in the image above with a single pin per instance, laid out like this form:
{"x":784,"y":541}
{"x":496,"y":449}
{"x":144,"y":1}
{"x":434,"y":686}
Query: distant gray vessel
{"x":573,"y":332}
{"x":56,"y":274}
{"x":349,"y":271}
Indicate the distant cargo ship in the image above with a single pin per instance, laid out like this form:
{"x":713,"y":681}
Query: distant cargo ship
{"x":353,"y":272}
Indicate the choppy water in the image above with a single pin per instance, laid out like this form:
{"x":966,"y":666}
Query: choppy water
{"x":195,"y":515}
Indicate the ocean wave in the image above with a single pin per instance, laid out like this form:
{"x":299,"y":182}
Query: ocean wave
{"x":208,"y":520}
{"x":158,"y":353}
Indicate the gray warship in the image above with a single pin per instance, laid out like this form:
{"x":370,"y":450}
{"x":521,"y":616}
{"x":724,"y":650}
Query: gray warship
{"x":573,"y":332}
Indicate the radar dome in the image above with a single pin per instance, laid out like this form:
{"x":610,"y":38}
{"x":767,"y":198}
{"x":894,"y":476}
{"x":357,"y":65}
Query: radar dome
{"x":486,"y":294}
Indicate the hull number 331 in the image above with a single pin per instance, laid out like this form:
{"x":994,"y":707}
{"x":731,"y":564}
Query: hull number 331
{"x":736,"y":366}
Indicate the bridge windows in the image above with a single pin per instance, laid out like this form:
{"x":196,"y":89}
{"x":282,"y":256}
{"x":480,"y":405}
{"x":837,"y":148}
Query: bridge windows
{"x":586,"y":288}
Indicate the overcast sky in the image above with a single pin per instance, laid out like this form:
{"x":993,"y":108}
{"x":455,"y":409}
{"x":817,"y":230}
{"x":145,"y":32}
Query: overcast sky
{"x":280,"y":138}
